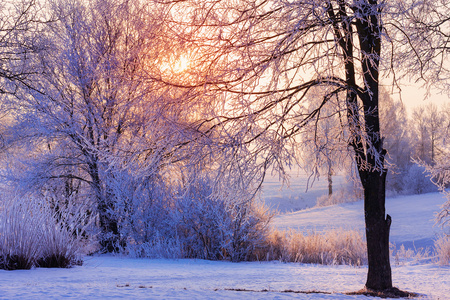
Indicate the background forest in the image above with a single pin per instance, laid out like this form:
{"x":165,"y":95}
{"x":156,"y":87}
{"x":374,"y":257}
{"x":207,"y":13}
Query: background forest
{"x":121,"y":132}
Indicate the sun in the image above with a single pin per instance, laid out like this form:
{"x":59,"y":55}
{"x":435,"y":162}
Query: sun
{"x":181,"y":65}
{"x":175,"y":65}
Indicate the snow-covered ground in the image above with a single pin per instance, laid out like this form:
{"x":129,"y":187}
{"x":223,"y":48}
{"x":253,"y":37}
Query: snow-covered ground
{"x":109,"y":277}
{"x":413,"y":222}
{"x":302,"y":190}
{"x":301,"y":193}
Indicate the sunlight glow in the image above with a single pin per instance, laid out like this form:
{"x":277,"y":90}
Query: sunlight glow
{"x":175,"y":65}
{"x":181,"y":65}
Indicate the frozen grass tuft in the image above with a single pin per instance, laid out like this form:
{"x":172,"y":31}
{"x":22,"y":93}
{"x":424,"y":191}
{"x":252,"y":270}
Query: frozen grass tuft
{"x":15,"y":262}
{"x":442,"y":248}
{"x":338,"y":197}
{"x":402,"y":255}
{"x":33,"y":234}
{"x":20,"y":227}
{"x":62,"y":239}
{"x":333,"y":247}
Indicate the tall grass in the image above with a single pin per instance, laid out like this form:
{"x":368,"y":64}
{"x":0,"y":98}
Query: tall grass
{"x":336,"y":246}
{"x":20,"y":232}
{"x":442,"y":248}
{"x":32,"y":233}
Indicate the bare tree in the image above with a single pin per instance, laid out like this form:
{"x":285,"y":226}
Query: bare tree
{"x":439,"y":171}
{"x":396,"y":128}
{"x":422,"y":43}
{"x":20,"y":25}
{"x":323,"y":143}
{"x":93,"y":104}
{"x":430,"y":128}
{"x":269,"y":57}
{"x":98,"y":126}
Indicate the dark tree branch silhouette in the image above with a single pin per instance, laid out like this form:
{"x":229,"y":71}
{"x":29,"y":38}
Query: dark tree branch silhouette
{"x":267,"y":58}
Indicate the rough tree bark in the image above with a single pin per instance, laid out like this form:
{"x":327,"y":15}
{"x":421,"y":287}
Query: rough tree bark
{"x":377,"y":230}
{"x":372,"y":171}
{"x":367,"y":142}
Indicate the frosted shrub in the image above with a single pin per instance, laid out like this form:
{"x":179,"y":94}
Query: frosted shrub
{"x":32,"y":234}
{"x":336,"y":246}
{"x":194,"y":223}
{"x":250,"y":231}
{"x":213,"y":228}
{"x":442,"y":248}
{"x":146,"y":210}
{"x":203,"y":223}
{"x":416,"y":181}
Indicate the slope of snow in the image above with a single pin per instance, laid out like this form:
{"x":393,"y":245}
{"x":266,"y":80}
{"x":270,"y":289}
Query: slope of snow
{"x":301,"y":193}
{"x":412,"y":218}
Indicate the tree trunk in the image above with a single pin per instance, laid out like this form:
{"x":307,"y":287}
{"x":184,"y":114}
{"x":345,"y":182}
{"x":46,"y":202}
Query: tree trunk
{"x":109,"y":239}
{"x":377,"y":230}
{"x":369,"y":149}
{"x":330,"y":182}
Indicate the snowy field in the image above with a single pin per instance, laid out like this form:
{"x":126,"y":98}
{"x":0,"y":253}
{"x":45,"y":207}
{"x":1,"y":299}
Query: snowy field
{"x":109,"y":277}
{"x":301,"y":193}
{"x":413,"y":223}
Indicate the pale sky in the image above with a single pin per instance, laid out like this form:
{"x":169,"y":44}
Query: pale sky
{"x":413,"y":96}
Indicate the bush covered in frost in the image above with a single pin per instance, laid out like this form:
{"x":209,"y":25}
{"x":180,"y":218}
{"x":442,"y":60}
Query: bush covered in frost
{"x":195,"y":223}
{"x":34,"y":234}
{"x":216,"y":229}
{"x":417,"y":181}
